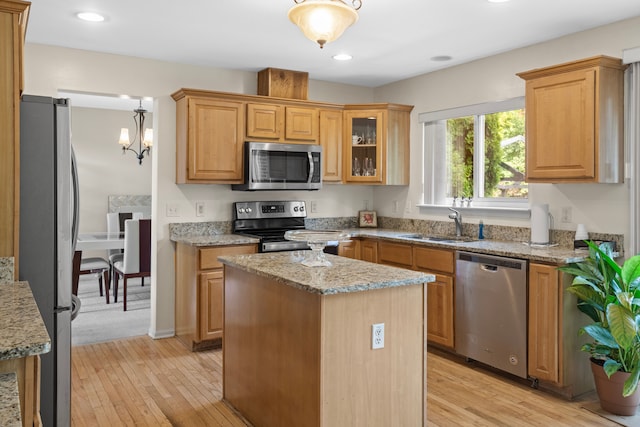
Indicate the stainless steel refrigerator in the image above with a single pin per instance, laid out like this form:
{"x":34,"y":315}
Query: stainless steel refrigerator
{"x":48,"y":226}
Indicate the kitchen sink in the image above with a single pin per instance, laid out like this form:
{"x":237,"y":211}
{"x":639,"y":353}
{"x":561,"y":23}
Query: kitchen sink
{"x":442,"y":239}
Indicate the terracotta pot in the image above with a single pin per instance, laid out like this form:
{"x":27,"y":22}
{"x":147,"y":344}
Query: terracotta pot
{"x":610,"y":391}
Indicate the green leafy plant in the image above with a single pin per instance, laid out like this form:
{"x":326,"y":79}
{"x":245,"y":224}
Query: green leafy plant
{"x":610,"y":295}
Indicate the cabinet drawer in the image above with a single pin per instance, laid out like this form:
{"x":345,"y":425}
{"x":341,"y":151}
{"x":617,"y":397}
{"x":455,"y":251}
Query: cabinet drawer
{"x":395,"y":254}
{"x":208,"y":257}
{"x":434,"y":259}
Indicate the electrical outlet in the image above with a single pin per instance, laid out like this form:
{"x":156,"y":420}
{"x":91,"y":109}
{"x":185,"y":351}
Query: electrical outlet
{"x":314,"y":206}
{"x":394,"y":208}
{"x":565,"y":215}
{"x":173,"y":209}
{"x":407,"y":208}
{"x":366,"y":205}
{"x":377,"y":336}
{"x":199,"y":208}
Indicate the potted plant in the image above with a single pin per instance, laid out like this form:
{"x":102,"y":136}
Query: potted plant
{"x":610,"y":295}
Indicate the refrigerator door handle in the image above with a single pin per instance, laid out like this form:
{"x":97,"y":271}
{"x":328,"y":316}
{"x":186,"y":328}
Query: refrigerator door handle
{"x":76,"y":199}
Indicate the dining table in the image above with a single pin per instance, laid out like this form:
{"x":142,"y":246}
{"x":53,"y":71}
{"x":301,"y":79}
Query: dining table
{"x":97,"y":240}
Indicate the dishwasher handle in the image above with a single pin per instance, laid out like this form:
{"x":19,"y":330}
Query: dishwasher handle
{"x":489,"y":268}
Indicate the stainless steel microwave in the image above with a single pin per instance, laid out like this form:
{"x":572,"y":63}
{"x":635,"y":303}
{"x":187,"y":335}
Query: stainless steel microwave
{"x":277,"y":166}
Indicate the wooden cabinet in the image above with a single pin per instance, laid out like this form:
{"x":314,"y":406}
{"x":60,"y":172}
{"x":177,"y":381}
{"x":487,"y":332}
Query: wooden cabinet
{"x":440,"y":294}
{"x":199,"y":283}
{"x":574,"y":121}
{"x":282,"y":123}
{"x":350,"y":249}
{"x":396,"y":254}
{"x":209,"y":138}
{"x":544,"y":322}
{"x":331,"y":142}
{"x":369,"y":250}
{"x":13,"y":26}
{"x":380,"y":152}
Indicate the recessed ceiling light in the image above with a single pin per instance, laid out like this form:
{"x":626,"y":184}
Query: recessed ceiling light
{"x":342,"y":57}
{"x":498,"y":1}
{"x":441,"y":58}
{"x":90,"y":16}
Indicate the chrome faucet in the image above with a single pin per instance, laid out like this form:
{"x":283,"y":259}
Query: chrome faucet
{"x":457,"y":217}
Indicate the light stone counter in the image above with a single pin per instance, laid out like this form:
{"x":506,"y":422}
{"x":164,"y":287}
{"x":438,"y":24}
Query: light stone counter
{"x":550,"y":254}
{"x":6,"y":269}
{"x":214,"y":240}
{"x":22,"y":331}
{"x":345,"y":275}
{"x":9,"y":401}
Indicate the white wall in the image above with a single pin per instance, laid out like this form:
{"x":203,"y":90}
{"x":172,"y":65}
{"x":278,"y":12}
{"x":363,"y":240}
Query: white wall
{"x":50,"y":69}
{"x":102,"y":169}
{"x":601,"y":207}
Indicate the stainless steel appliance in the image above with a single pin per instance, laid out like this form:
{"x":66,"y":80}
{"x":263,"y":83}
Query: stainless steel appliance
{"x":491,"y":311}
{"x":48,"y":227}
{"x":276,"y":166}
{"x":268,"y":221}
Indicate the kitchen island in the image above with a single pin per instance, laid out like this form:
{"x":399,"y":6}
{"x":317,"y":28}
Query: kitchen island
{"x":297,"y":343}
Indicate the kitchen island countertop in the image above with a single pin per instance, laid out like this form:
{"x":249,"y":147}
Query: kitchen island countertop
{"x":345,"y":275}
{"x":214,"y":239}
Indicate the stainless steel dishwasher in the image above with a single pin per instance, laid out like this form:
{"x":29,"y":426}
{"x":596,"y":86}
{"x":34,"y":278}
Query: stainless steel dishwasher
{"x":491,"y":311}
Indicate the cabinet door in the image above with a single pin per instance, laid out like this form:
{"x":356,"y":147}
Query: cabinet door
{"x":561,"y":127}
{"x":429,"y":259}
{"x":544,"y":322}
{"x":364,"y":140}
{"x":369,"y":250}
{"x":331,"y":142}
{"x":211,"y":304}
{"x":265,"y":121}
{"x":301,"y":124}
{"x":215,"y":138}
{"x":350,"y":249}
{"x":396,"y":254}
{"x":439,"y":305}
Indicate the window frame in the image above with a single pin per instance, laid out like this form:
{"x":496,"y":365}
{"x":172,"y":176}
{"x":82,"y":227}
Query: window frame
{"x":432,"y":153}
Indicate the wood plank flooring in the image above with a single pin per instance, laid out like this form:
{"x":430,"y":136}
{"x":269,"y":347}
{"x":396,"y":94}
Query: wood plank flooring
{"x":144,"y":382}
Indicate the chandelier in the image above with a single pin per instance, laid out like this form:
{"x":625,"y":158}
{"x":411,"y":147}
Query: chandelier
{"x":323,"y":21}
{"x":144,"y":139}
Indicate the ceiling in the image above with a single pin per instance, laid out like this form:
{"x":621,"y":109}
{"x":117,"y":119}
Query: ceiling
{"x":392,"y":40}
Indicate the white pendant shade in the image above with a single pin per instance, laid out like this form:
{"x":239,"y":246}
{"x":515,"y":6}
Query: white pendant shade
{"x":323,"y":21}
{"x":124,"y":137}
{"x":148,"y":138}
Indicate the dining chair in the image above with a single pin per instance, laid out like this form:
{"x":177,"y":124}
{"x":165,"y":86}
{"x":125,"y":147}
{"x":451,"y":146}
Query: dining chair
{"x":115,"y":224}
{"x":136,"y":260}
{"x":100,"y":266}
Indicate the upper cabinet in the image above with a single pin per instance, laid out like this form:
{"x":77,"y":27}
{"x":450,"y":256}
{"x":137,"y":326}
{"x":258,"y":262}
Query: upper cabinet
{"x":13,"y":26}
{"x":281,"y":123}
{"x":209,"y":138}
{"x":574,"y":122}
{"x":376,"y":144}
{"x":330,"y":138}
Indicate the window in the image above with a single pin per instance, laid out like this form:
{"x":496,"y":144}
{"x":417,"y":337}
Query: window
{"x":478,"y":153}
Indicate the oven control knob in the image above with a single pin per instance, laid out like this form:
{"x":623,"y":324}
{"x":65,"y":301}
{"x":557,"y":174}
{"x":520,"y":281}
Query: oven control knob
{"x":295,"y":209}
{"x":241,"y":210}
{"x":248,"y":210}
{"x":301,"y":208}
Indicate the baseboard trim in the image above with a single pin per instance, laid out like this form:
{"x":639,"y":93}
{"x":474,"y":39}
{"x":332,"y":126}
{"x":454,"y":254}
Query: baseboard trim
{"x":167,"y":333}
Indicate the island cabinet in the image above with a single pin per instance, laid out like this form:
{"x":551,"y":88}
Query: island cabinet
{"x":554,"y":356}
{"x":13,"y":26}
{"x":282,"y":123}
{"x":298,"y":345}
{"x":209,"y":138}
{"x":376,"y":144}
{"x":574,"y":121}
{"x":440,"y":293}
{"x":199,"y":281}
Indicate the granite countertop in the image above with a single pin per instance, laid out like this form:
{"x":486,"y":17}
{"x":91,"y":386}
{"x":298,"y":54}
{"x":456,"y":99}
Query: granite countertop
{"x":10,"y":415}
{"x":549,"y":254}
{"x":345,"y":275}
{"x":22,"y":330}
{"x":214,"y":239}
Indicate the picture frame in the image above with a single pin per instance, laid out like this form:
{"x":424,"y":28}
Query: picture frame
{"x":367,"y":219}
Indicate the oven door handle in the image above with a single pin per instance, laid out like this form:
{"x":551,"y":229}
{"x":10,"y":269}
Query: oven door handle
{"x":311,"y":167}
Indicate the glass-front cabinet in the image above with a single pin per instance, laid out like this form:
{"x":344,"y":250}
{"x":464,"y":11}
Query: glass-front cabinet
{"x":363,"y":142}
{"x":376,"y":144}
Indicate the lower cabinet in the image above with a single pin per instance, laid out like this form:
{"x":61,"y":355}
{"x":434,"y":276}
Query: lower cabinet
{"x":350,"y":249}
{"x":199,"y":283}
{"x":369,"y":250}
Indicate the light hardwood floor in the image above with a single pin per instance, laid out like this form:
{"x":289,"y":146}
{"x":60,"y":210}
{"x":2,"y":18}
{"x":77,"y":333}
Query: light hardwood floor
{"x":145,"y":382}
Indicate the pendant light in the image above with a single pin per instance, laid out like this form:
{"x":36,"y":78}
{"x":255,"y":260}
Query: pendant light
{"x":144,"y":139}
